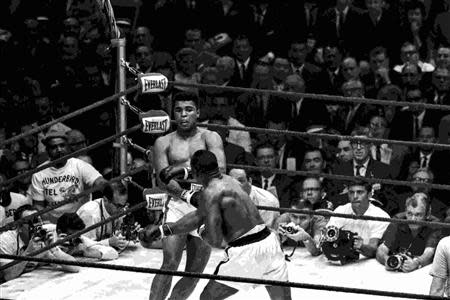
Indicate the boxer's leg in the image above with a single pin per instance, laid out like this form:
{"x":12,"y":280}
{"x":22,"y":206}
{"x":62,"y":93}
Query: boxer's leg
{"x":172,"y":252}
{"x":279,"y":292}
{"x":197,"y":256}
{"x":217,"y":291}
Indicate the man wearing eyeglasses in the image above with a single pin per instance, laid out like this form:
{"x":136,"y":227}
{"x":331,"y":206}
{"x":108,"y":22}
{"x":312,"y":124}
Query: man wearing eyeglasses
{"x":363,"y":165}
{"x":115,"y":199}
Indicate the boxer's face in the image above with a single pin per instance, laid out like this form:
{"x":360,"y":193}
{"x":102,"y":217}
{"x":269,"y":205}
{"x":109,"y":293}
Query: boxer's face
{"x":186,"y":114}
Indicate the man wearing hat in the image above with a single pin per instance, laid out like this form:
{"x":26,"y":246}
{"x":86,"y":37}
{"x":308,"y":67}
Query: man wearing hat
{"x":68,"y":177}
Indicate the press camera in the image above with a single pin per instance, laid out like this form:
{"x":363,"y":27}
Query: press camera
{"x":337,"y":245}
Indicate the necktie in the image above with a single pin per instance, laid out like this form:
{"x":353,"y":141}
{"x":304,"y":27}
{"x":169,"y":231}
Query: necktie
{"x":242,"y":70}
{"x":340,"y":24}
{"x":424,"y":162}
{"x":358,"y":170}
{"x":416,"y":126}
{"x":266,"y":184}
{"x":378,"y":153}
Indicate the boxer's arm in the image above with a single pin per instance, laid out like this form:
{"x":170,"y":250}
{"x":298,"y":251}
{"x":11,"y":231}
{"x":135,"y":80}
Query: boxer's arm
{"x":213,"y":220}
{"x":215,"y":145}
{"x":187,"y":223}
{"x":161,"y":161}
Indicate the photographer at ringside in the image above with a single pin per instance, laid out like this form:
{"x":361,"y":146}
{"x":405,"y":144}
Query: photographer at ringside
{"x":303,"y":229}
{"x":368,"y":233}
{"x":408,"y":247}
{"x":27,"y":238}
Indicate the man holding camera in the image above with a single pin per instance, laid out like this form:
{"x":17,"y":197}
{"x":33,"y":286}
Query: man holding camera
{"x":26,"y":239}
{"x":115,"y":198}
{"x":368,"y":233}
{"x":408,"y":247}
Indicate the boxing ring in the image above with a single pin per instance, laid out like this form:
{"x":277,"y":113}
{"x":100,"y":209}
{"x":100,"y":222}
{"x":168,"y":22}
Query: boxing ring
{"x":90,"y":283}
{"x":310,"y":277}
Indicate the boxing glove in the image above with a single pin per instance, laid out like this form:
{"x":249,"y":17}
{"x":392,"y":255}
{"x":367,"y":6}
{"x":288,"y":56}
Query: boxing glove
{"x":171,"y":172}
{"x":153,"y":233}
{"x":191,"y":197}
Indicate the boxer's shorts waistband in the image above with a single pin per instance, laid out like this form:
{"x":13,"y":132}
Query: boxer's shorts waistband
{"x":250,"y":239}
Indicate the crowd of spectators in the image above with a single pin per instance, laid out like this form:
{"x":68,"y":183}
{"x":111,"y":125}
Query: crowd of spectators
{"x":56,"y":57}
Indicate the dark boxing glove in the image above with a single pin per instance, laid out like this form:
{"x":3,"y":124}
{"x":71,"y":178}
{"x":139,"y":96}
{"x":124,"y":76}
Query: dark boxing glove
{"x":171,"y":172}
{"x":153,"y":233}
{"x":191,"y":197}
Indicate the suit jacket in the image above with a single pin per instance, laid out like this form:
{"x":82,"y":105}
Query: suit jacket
{"x":438,"y":164}
{"x":327,"y":31}
{"x":402,"y":126}
{"x":236,"y":79}
{"x":235,"y":154}
{"x":375,"y":169}
{"x":286,"y":188}
{"x":312,"y":112}
{"x":385,"y":33}
{"x":345,"y":124}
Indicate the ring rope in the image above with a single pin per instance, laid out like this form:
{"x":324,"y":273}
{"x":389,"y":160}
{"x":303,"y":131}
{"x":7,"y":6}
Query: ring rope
{"x":78,"y":233}
{"x":325,"y":136}
{"x":224,"y":278}
{"x":69,"y":115}
{"x":326,"y":213}
{"x":70,"y":155}
{"x":343,"y":177}
{"x":71,"y":199}
{"x":321,"y":97}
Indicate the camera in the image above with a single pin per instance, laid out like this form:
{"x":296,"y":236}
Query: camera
{"x":289,"y":228}
{"x":337,"y":245}
{"x":395,"y":261}
{"x":37,"y":229}
{"x":129,"y":229}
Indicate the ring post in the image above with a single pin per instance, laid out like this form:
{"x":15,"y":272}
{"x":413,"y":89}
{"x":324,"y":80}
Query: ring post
{"x":121,"y":108}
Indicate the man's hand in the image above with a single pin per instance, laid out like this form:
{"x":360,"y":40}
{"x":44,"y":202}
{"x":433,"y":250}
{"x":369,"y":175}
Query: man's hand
{"x":299,"y":233}
{"x":117,"y":241}
{"x":358,"y":243}
{"x":383,"y":72}
{"x":409,"y":265}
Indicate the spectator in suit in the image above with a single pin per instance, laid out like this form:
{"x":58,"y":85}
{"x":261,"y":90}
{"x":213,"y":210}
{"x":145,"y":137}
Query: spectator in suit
{"x":242,"y":52}
{"x":220,"y":107}
{"x":297,"y":57}
{"x":259,"y":196}
{"x":266,"y":30}
{"x":305,"y":112}
{"x":365,"y":166}
{"x":350,"y":116}
{"x":187,"y":68}
{"x":379,"y":74}
{"x":427,"y":157}
{"x":380,"y":29}
{"x":282,"y":186}
{"x":340,"y":25}
{"x":393,"y":93}
{"x":439,"y":92}
{"x":330,"y":78}
{"x":391,"y":154}
{"x":234,"y":154}
{"x":408,"y":121}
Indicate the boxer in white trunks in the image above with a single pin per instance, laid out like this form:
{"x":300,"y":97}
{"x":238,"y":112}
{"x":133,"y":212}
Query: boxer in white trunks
{"x":172,"y":153}
{"x":225,"y":212}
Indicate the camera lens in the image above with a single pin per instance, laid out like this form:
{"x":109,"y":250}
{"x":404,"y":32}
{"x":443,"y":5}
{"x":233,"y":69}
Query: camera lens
{"x":393,"y":262}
